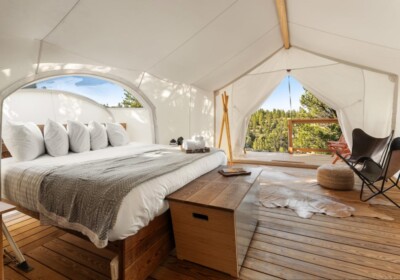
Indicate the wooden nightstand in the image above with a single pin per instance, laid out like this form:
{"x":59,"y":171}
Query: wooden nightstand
{"x":4,"y":208}
{"x":214,"y":218}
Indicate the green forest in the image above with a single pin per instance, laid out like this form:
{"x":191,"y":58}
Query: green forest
{"x":268,"y":130}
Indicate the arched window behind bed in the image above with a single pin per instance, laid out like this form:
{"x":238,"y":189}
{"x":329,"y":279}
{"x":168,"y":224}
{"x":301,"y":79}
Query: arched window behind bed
{"x":81,"y":98}
{"x":102,"y":91}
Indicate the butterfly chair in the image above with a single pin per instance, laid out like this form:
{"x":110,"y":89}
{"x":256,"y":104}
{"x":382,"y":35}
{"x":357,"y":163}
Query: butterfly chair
{"x":378,"y":178}
{"x":366,"y":146}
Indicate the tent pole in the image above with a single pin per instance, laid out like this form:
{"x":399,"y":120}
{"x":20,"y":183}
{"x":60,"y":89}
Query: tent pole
{"x":221,"y":131}
{"x":225,"y":123}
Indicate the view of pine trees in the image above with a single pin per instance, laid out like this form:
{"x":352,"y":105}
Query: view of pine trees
{"x":129,"y":101}
{"x":268,"y":130}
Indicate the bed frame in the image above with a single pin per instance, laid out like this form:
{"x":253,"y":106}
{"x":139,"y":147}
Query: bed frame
{"x":138,"y":255}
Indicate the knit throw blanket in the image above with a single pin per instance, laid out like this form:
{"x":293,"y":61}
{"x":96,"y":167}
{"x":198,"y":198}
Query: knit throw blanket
{"x":86,"y":197}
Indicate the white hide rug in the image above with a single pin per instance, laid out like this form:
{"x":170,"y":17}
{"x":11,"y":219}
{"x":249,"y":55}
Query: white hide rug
{"x":303,"y":203}
{"x":298,"y":190}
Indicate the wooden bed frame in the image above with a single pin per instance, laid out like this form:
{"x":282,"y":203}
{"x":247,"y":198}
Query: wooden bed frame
{"x":138,"y":255}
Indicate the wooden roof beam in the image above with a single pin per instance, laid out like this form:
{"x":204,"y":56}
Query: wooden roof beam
{"x":283,"y":21}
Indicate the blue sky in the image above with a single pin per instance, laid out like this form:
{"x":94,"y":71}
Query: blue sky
{"x":279,"y":99}
{"x":97,"y":89}
{"x":104,"y":92}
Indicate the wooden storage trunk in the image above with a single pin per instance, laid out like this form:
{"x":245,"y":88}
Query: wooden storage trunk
{"x":214,"y":218}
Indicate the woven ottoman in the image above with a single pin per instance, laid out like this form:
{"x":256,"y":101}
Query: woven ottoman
{"x":335,"y":177}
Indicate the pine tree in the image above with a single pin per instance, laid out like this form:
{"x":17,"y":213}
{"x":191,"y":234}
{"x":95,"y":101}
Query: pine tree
{"x":129,"y":101}
{"x":268,"y":130}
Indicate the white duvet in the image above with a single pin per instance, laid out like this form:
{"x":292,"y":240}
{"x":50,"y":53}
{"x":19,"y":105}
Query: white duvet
{"x":143,"y":203}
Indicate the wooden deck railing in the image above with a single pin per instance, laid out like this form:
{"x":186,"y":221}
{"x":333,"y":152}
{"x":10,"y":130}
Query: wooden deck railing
{"x":291,"y":122}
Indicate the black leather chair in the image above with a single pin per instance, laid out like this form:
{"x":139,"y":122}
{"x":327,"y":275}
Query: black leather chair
{"x":366,"y":146}
{"x":378,"y":177}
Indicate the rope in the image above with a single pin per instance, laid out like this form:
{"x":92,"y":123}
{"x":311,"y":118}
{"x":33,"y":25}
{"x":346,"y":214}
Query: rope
{"x":290,"y":92}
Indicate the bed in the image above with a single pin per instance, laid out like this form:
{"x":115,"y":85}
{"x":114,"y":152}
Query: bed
{"x":142,"y":234}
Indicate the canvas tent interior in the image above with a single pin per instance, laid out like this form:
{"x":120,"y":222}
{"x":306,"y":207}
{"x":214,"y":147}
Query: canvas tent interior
{"x":177,"y":54}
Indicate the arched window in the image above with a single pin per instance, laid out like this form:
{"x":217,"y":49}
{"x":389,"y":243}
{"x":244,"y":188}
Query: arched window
{"x":102,"y":91}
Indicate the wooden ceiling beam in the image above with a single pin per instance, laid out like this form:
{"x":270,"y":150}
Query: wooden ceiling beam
{"x":283,"y":22}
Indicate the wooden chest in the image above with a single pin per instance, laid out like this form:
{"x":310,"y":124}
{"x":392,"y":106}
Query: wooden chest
{"x":214,"y":218}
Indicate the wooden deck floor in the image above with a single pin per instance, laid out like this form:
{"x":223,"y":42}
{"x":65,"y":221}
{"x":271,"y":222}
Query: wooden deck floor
{"x":283,"y":247}
{"x":308,"y":160}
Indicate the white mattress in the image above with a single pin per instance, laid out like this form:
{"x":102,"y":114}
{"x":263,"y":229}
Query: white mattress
{"x":144,"y":202}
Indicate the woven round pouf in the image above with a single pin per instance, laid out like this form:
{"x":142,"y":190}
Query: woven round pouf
{"x":335,"y":177}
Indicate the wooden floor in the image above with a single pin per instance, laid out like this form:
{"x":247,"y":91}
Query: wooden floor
{"x":283,"y":247}
{"x":307,"y":160}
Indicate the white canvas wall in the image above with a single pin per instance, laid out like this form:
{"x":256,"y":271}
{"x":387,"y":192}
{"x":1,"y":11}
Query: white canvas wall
{"x":181,"y":110}
{"x":139,"y":123}
{"x":39,"y":105}
{"x":202,"y":114}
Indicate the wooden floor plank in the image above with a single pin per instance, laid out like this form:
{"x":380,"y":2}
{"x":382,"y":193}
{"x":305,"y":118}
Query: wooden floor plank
{"x":81,"y":256}
{"x":88,"y":246}
{"x":325,"y":244}
{"x":10,"y":274}
{"x":276,"y":270}
{"x":395,"y":235}
{"x":27,"y":234}
{"x":34,"y":243}
{"x":343,"y":233}
{"x":368,"y":222}
{"x":9,"y":217}
{"x":249,"y":274}
{"x":25,"y":228}
{"x":330,"y":237}
{"x":329,"y":253}
{"x":164,"y":273}
{"x":64,"y":265}
{"x":25,"y":239}
{"x":17,"y":220}
{"x":40,"y":271}
{"x":22,"y":224}
{"x":391,"y":210}
{"x":291,"y":260}
{"x":194,"y":270}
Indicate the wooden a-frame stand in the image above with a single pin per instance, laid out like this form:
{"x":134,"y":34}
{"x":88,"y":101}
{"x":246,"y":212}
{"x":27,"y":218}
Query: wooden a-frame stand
{"x":225,"y":123}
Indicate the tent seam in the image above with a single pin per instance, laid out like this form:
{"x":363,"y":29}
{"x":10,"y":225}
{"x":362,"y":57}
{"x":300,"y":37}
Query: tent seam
{"x":395,"y":101}
{"x":338,"y":35}
{"x":39,"y":57}
{"x":141,"y":79}
{"x":363,"y":75}
{"x":238,"y":53}
{"x":62,"y":20}
{"x":93,"y":60}
{"x":300,"y":68}
{"x":345,"y":62}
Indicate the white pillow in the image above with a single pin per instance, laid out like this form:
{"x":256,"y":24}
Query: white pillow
{"x":23,"y":140}
{"x":98,"y":136}
{"x":55,"y":139}
{"x":79,"y":137}
{"x":117,"y":135}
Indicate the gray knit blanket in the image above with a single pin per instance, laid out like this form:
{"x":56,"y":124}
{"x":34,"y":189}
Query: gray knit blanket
{"x":86,"y":197}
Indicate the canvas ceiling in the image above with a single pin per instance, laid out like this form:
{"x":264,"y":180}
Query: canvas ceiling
{"x":204,"y":44}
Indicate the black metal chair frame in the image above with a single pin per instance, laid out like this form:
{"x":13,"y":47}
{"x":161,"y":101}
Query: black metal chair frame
{"x":374,"y":176}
